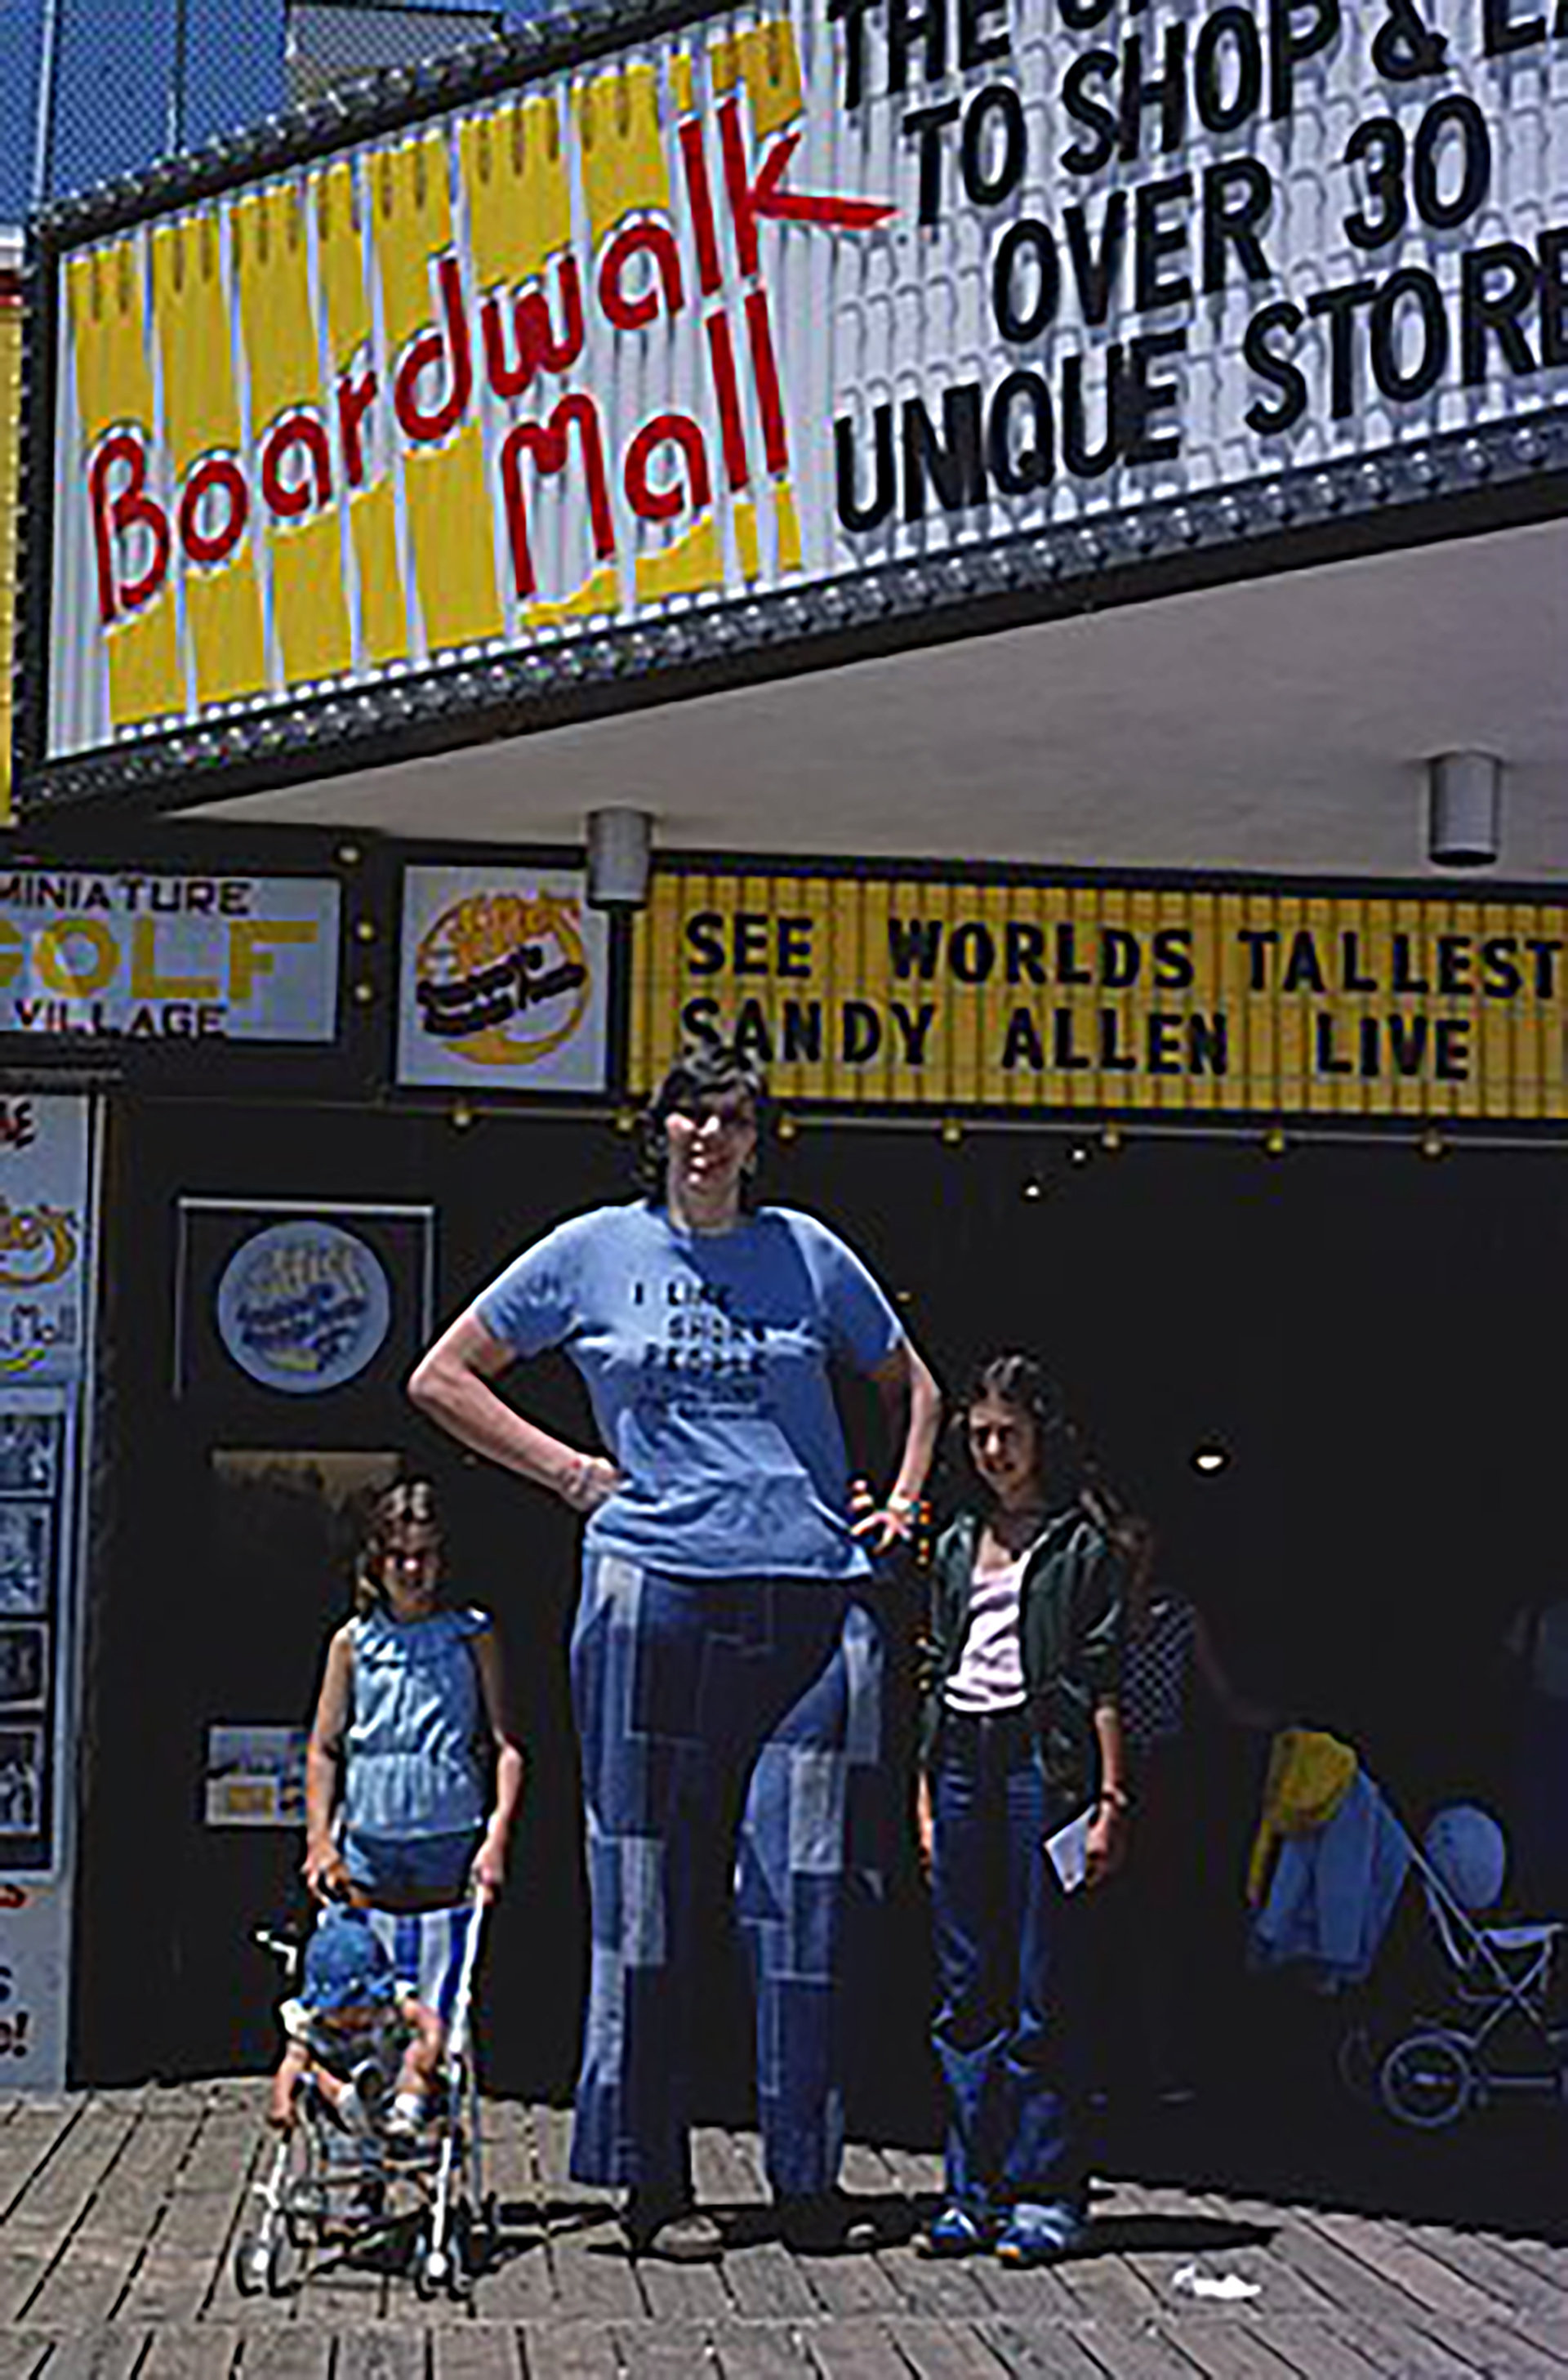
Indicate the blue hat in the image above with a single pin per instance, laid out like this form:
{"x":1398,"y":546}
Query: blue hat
{"x":345,"y":1964}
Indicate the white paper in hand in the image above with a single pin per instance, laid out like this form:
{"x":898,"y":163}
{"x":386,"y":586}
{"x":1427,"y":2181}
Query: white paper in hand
{"x":1067,"y":1849}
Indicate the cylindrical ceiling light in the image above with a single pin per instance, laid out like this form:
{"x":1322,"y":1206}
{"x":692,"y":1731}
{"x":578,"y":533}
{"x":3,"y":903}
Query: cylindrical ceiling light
{"x":620,"y":844}
{"x":1463,"y":808}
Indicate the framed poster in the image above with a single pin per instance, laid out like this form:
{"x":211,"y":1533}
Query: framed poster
{"x":282,"y":1300}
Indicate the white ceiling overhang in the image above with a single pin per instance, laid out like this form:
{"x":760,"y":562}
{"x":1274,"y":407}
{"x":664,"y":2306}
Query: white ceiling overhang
{"x":1280,"y":723}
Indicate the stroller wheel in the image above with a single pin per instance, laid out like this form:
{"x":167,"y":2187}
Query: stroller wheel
{"x":433,"y":2273}
{"x":252,"y":2265}
{"x":1427,"y":2080}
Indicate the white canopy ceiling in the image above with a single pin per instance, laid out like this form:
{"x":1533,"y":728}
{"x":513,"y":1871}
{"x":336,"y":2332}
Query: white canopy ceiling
{"x":1278,"y":724}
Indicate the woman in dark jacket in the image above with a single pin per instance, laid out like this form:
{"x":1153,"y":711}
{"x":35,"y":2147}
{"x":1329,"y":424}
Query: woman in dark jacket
{"x":1022,"y":1797}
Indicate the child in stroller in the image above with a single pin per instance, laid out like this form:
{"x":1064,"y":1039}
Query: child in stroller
{"x":375,"y":2105}
{"x":354,"y":2040}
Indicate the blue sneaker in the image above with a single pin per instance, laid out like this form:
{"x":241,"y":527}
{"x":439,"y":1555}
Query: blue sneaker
{"x":956,"y":2231}
{"x":1040,"y":2234}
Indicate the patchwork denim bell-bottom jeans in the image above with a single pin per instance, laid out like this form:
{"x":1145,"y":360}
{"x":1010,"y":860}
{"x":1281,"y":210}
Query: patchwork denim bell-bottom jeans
{"x":1007,"y":2035}
{"x":729,"y":1729}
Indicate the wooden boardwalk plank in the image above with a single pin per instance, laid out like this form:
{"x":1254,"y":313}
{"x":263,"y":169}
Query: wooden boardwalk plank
{"x":569,"y":2350}
{"x":762,"y":2279}
{"x":479,"y":2351}
{"x":1494,"y":2349}
{"x":1039,"y":2351}
{"x":521,"y":2281}
{"x":22,"y":2274}
{"x":666,"y":2352}
{"x":31,"y":2136}
{"x":379,"y":2353}
{"x":1514,"y":2280}
{"x":1228,"y":2350}
{"x":109,"y":2353}
{"x":61,"y":2187}
{"x":1134,"y":2354}
{"x":1432,"y":2283}
{"x":594,"y":2277}
{"x":183,"y":2351}
{"x":939,"y":2350}
{"x":843,"y":2349}
{"x":759,"y":2350}
{"x":286,"y":2352}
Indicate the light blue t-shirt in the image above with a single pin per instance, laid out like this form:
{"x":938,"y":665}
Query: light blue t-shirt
{"x":706,"y":1358}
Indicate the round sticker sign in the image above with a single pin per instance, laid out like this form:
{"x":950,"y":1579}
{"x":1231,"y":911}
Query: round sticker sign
{"x":303,"y":1307}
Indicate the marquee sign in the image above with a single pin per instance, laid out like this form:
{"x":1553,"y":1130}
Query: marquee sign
{"x":919,"y":992}
{"x":682,"y":340}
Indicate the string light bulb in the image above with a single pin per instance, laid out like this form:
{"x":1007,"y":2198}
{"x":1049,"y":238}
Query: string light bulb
{"x":1111,"y":1139}
{"x":1433,"y":1143}
{"x":952,"y":1133}
{"x":1275,"y":1141}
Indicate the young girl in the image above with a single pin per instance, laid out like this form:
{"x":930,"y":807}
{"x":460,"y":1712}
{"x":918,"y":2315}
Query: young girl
{"x":409,"y":1688}
{"x":1020,"y":1738}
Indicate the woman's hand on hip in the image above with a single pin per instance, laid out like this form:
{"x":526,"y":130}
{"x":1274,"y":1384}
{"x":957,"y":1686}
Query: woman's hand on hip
{"x":591,"y":1481}
{"x":884,"y":1526}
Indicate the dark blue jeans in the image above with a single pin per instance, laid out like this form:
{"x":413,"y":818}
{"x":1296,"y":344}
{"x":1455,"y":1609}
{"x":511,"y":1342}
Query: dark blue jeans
{"x":1005,"y":2034}
{"x":729,"y":1726}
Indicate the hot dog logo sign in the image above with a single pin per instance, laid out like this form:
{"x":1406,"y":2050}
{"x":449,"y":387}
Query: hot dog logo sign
{"x":504,"y":980}
{"x":696,"y":334}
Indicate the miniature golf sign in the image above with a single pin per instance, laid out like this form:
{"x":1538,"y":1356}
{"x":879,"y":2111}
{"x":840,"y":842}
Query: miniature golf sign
{"x":687,"y":336}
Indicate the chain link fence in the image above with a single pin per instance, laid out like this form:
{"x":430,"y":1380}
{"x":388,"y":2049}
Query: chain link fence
{"x":331,"y":42}
{"x":100,"y":88}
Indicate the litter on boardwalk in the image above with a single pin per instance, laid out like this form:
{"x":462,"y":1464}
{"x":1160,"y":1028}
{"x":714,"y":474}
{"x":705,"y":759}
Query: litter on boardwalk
{"x":1230,"y":2288}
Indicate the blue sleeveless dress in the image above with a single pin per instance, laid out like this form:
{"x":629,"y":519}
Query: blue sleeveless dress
{"x":414,"y":1800}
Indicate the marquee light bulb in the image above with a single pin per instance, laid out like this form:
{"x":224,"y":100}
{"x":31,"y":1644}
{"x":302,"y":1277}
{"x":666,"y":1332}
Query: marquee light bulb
{"x":1210,"y":1458}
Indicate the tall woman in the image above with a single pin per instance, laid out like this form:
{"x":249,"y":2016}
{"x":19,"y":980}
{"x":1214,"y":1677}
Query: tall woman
{"x":725,"y":1671}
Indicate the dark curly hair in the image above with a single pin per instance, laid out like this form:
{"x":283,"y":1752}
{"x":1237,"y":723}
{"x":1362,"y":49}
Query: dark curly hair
{"x":387,"y":1513}
{"x":1022,"y":1381}
{"x":706,"y":1071}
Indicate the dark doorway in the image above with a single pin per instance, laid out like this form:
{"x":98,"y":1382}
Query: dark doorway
{"x":1361,"y":1331}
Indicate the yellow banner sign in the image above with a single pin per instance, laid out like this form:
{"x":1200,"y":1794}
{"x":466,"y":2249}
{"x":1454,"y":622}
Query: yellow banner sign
{"x":1194,"y":999}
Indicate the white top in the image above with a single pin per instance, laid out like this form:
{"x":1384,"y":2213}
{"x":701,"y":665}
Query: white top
{"x":989,"y":1676}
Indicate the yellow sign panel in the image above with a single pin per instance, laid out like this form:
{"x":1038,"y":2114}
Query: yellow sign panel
{"x":1191,"y":1000}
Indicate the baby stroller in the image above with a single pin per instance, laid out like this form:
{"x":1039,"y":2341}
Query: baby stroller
{"x":326,"y":2189}
{"x":1495,"y":2022}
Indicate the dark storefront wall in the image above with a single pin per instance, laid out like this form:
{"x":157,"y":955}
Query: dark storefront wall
{"x":1363,"y":1328}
